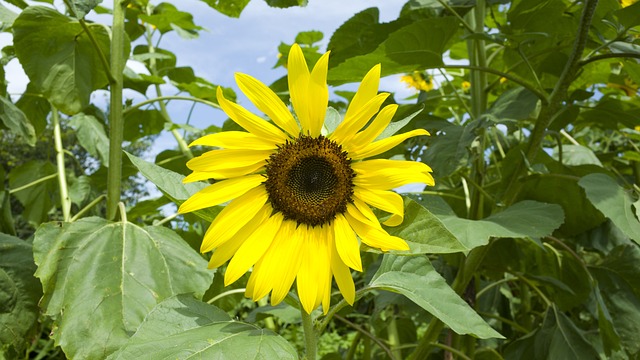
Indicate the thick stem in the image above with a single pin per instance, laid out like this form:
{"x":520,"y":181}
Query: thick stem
{"x":310,"y":336}
{"x":116,"y":124}
{"x":394,"y":338}
{"x":65,"y":201}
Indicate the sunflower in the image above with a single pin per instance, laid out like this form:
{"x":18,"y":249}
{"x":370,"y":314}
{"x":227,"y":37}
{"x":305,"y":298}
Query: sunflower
{"x":300,"y":198}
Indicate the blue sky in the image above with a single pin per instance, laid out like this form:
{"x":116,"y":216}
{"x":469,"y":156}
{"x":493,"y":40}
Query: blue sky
{"x":247,"y":44}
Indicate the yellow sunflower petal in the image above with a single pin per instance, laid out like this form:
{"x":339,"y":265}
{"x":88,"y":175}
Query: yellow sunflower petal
{"x":268,"y":102}
{"x":314,"y":270}
{"x":225,"y":173}
{"x":381,"y":121}
{"x":215,"y":160}
{"x":220,"y":192}
{"x":383,"y":145}
{"x":235,"y":140}
{"x":376,"y":237}
{"x":346,"y":243}
{"x":253,"y":248}
{"x":290,"y":248}
{"x":343,"y":276}
{"x":350,"y":126}
{"x":366,"y":91}
{"x":225,"y":251}
{"x":382,"y":174}
{"x":318,"y":94}
{"x":233,"y":217}
{"x":384,"y":200}
{"x":299,"y":86}
{"x":250,"y":122}
{"x":365,"y":210}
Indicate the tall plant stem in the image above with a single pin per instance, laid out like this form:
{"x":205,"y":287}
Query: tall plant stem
{"x":310,"y":335}
{"x":182,"y":144}
{"x":65,"y":201}
{"x":116,"y":123}
{"x":558,"y":96}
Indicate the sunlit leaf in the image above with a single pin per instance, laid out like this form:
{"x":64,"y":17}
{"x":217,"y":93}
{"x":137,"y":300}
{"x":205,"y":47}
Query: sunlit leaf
{"x":286,"y":3}
{"x":165,"y":16}
{"x":115,"y":271}
{"x":6,"y":17}
{"x":401,"y":274}
{"x":609,"y":197}
{"x":181,"y":326}
{"x":232,"y":8}
{"x":80,"y":8}
{"x":35,"y":108}
{"x":19,"y":294}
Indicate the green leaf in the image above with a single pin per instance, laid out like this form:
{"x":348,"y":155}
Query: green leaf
{"x":524,"y":219}
{"x":419,"y":45}
{"x":141,"y":123}
{"x":610,"y":113}
{"x":167,"y":17}
{"x":80,"y":189}
{"x":35,"y":108}
{"x":170,"y":183}
{"x":6,"y":17}
{"x":395,"y":126}
{"x":309,"y":37}
{"x":401,"y":274}
{"x":629,"y":16}
{"x":115,"y":271}
{"x":19,"y":294}
{"x":37,"y":199}
{"x":139,"y":82}
{"x":14,"y":119}
{"x":577,"y":155}
{"x":232,"y":8}
{"x":610,"y":198}
{"x":286,"y":3}
{"x":92,"y":136}
{"x":59,"y":58}
{"x":82,"y":7}
{"x":513,"y":104}
{"x":180,"y":327}
{"x":424,"y":232}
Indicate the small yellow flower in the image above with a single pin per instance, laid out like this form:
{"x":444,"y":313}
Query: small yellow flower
{"x":418,"y":81}
{"x":503,"y":80}
{"x":301,"y":199}
{"x":626,"y":3}
{"x":629,"y":87}
{"x":466,"y":86}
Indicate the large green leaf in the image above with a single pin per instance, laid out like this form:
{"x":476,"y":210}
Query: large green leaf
{"x":419,"y":45}
{"x":166,"y":17}
{"x":514,"y":104}
{"x":80,"y":8}
{"x":524,"y":219}
{"x":92,"y":136}
{"x":415,"y":278}
{"x":232,"y":8}
{"x":35,"y":108}
{"x":182,"y":327}
{"x":14,"y":119}
{"x":610,"y":198}
{"x":102,"y":278}
{"x":59,"y":58}
{"x":170,"y":183}
{"x":37,"y":199}
{"x":19,"y":294}
{"x":424,"y":232}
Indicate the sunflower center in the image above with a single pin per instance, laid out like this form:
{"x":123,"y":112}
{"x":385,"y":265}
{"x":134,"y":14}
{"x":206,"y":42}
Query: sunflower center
{"x":310,"y":180}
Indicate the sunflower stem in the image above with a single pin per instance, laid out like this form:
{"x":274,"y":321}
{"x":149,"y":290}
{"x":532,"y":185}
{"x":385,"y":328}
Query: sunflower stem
{"x":65,"y":201}
{"x":310,"y":335}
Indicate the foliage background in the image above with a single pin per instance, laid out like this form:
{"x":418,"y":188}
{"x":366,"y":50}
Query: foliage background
{"x":533,"y":221}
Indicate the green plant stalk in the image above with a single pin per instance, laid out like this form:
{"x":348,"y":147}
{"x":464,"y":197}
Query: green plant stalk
{"x":65,"y":201}
{"x":394,"y":338}
{"x":162,"y":98}
{"x":558,"y":96}
{"x":116,"y":123}
{"x":33,"y":183}
{"x":310,"y":335}
{"x":182,"y":144}
{"x":95,"y":202}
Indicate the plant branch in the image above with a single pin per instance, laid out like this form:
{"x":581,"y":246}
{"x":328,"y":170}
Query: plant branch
{"x":310,"y":335}
{"x":95,"y":202}
{"x":65,"y":201}
{"x":591,"y":59}
{"x":369,"y":335}
{"x":33,"y":183}
{"x":162,"y":98}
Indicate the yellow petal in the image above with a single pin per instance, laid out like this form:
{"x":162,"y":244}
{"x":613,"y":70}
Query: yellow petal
{"x":286,"y":259}
{"x":215,"y":160}
{"x":346,"y":243}
{"x":343,"y":276}
{"x":350,"y":126}
{"x":365,"y":210}
{"x":376,"y":237}
{"x":220,"y":192}
{"x":384,"y":200}
{"x":235,"y":140}
{"x":299,"y":86}
{"x":381,"y":121}
{"x":366,"y":91}
{"x":318,"y":94}
{"x":268,"y":102}
{"x":381,"y":174}
{"x":225,"y":251}
{"x":314,"y":270}
{"x":250,"y":122}
{"x":233,"y":217}
{"x":383,"y":145}
{"x":225,"y":173}
{"x":253,"y":248}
